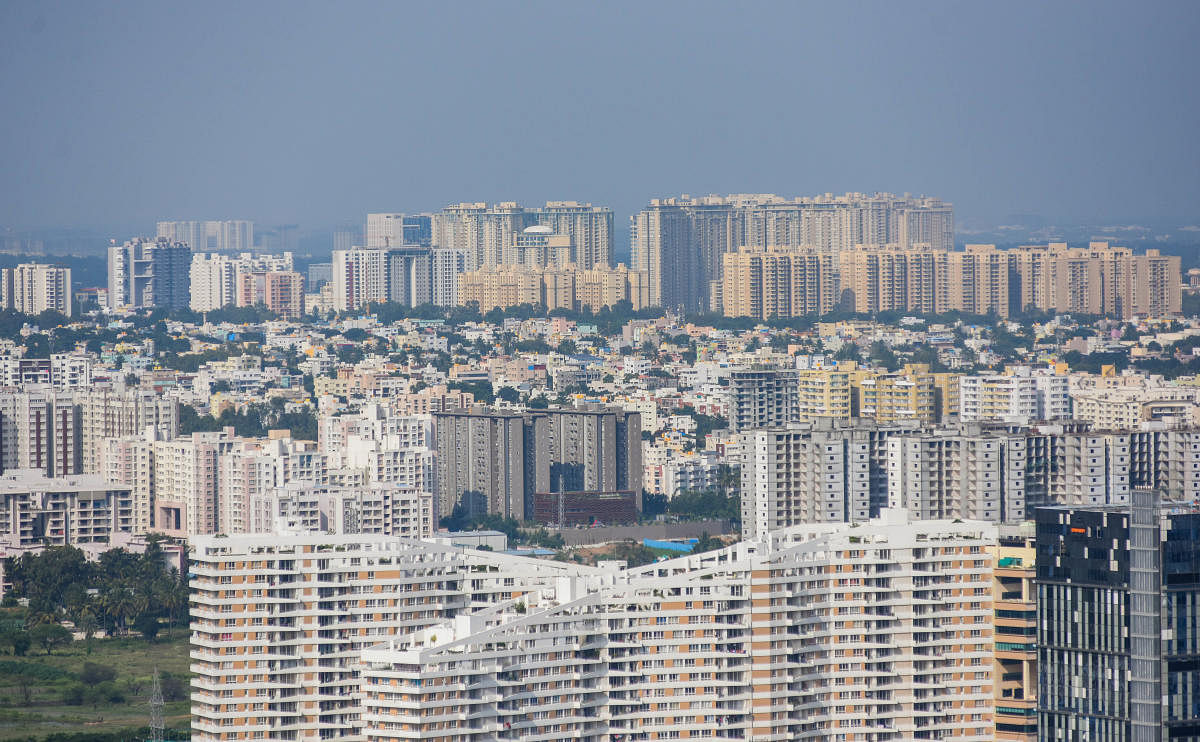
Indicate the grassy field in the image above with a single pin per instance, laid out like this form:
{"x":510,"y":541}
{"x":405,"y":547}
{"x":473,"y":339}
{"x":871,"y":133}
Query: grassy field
{"x":49,"y":680}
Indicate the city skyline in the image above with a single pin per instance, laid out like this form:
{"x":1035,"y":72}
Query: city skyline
{"x":962,"y":108}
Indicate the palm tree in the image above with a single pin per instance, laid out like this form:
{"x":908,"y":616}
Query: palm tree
{"x":175,"y":599}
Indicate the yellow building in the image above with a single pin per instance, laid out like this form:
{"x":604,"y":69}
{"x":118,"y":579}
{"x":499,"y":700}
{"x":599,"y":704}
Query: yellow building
{"x":977,"y":281}
{"x":913,"y":393}
{"x":1098,"y":279}
{"x":778,"y":282}
{"x":1015,"y":609}
{"x":554,"y":288}
{"x":826,"y":392}
{"x":945,"y":390}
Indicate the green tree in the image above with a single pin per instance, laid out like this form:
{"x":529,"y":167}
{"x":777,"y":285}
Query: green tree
{"x":707,"y":543}
{"x":147,"y":625}
{"x":94,"y":673}
{"x":50,"y":635}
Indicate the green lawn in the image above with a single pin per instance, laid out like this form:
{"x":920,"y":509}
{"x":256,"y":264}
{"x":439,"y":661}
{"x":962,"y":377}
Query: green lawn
{"x":48,"y":678}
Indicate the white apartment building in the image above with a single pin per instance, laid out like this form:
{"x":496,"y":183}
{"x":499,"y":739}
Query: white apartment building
{"x":231,"y":235}
{"x":305,"y":507}
{"x":359,"y":276}
{"x":116,"y":411}
{"x":820,"y":472}
{"x":204,"y":483}
{"x":279,"y":624}
{"x":385,"y":230}
{"x":880,"y":630}
{"x":448,"y":264}
{"x":40,"y":429}
{"x":1022,"y":396}
{"x":939,"y":474}
{"x":214,"y":277}
{"x":36,"y":510}
{"x":1128,"y":408}
{"x":33,"y":288}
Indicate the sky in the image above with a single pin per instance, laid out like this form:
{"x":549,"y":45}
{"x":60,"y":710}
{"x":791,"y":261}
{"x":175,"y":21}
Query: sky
{"x":117,"y":114}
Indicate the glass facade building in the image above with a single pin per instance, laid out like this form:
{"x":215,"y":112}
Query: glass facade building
{"x":1118,"y":649}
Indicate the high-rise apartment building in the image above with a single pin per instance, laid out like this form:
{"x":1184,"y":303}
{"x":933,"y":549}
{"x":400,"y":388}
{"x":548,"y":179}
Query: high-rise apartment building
{"x":827,"y":471}
{"x":318,"y":275}
{"x":495,"y":462}
{"x":448,"y":264}
{"x":149,"y":274}
{"x":1117,"y":637}
{"x":1098,"y":279}
{"x":234,"y":235}
{"x":112,"y":412}
{"x":403,"y":275}
{"x":973,"y":474}
{"x":305,"y":507}
{"x":359,"y":276}
{"x":568,"y":287}
{"x":913,"y":393}
{"x":763,"y":398}
{"x":398,"y":230}
{"x":40,"y":430}
{"x":680,"y":242}
{"x":876,"y":631}
{"x":214,"y":277}
{"x":485,"y":233}
{"x":33,"y":288}
{"x":778,"y":282}
{"x":37,"y":510}
{"x":279,"y":625}
{"x":888,"y":278}
{"x":281,"y":292}
{"x":1014,"y":604}
{"x":978,"y":281}
{"x":1023,"y":395}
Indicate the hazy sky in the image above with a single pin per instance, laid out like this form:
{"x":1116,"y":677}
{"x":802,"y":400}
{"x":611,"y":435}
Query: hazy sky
{"x":121,"y":113}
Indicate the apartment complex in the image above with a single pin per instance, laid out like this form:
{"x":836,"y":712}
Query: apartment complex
{"x":1127,"y":408}
{"x":680,"y":242}
{"x":41,"y":430}
{"x":310,"y":508}
{"x":912,"y":393}
{"x":214,"y":278}
{"x":1117,"y":638}
{"x":397,"y":230}
{"x":33,"y":288}
{"x":36,"y":510}
{"x":496,"y":461}
{"x":778,"y":282}
{"x":142,"y":273}
{"x":1022,"y":395}
{"x":407,"y":275}
{"x":1098,"y":279}
{"x":1014,"y":604}
{"x":827,"y":471}
{"x":763,"y":398}
{"x":278,"y":626}
{"x":486,"y":233}
{"x":882,"y":631}
{"x":771,"y":397}
{"x":231,"y":235}
{"x":60,"y":371}
{"x":833,"y":470}
{"x":566,"y":287}
{"x":793,"y":281}
{"x":281,"y":292}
